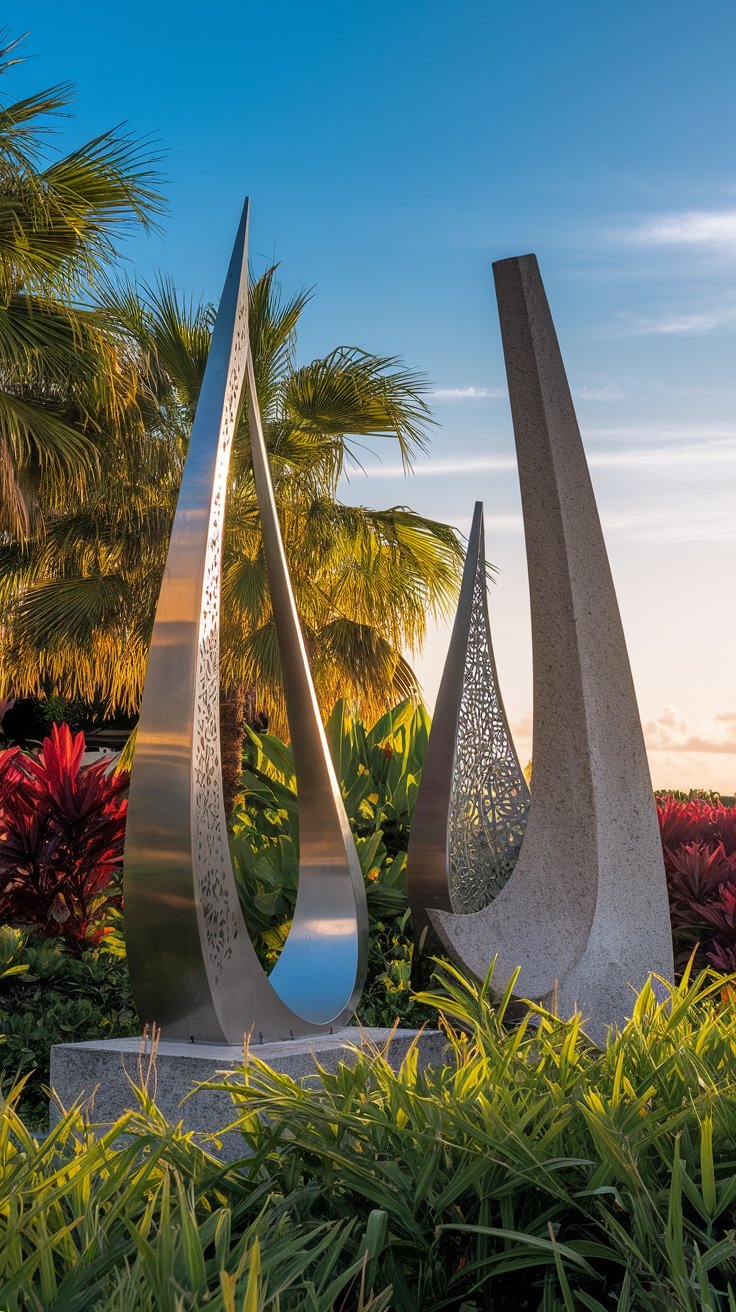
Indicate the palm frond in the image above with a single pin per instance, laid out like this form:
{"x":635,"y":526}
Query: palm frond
{"x":351,"y":393}
{"x":172,"y":330}
{"x":104,"y":462}
{"x":59,"y":224}
{"x":69,"y":610}
{"x":272,"y":323}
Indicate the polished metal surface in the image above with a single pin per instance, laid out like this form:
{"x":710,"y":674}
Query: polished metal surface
{"x":193,"y":969}
{"x":473,"y":800}
{"x":585,"y":912}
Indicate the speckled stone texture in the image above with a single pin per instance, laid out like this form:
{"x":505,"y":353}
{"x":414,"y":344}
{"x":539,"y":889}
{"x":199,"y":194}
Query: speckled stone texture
{"x":104,"y":1069}
{"x":585,"y":913}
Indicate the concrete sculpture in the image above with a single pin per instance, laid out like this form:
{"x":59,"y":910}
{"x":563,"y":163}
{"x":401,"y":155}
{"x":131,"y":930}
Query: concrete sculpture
{"x":472,"y":806}
{"x":193,"y":968}
{"x":585,"y":912}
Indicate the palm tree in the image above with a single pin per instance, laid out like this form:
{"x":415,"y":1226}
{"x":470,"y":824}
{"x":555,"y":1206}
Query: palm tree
{"x":65,"y":388}
{"x":81,"y":603}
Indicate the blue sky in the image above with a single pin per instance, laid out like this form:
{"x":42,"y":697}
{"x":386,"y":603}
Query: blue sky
{"x":392,"y":151}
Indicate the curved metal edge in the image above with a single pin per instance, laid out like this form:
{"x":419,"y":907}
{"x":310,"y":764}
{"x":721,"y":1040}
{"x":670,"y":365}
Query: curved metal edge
{"x":427,"y":861}
{"x":328,"y":939}
{"x":585,"y":913}
{"x":193,"y":968}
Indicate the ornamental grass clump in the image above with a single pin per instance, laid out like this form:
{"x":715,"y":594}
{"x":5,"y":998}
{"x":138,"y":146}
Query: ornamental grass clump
{"x":141,"y":1219}
{"x":531,"y":1171}
{"x":527,"y":1171}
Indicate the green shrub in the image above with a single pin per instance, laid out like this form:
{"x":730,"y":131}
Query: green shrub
{"x":388,"y":995}
{"x":379,"y":771}
{"x":48,"y":995}
{"x":142,"y":1220}
{"x":528,"y":1173}
{"x":531,"y":1171}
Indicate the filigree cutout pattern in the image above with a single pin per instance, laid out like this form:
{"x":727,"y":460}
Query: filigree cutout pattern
{"x":219,"y":901}
{"x":489,"y":800}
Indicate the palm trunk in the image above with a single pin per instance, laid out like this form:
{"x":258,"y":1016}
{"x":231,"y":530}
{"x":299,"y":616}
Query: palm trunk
{"x":232,"y":730}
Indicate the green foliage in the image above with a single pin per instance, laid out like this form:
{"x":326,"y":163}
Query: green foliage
{"x":49,"y":995}
{"x":695,"y":794}
{"x":526,"y":1172}
{"x":73,"y":711}
{"x":142,"y":1220}
{"x":530,"y":1170}
{"x":388,"y":996}
{"x":379,"y":770}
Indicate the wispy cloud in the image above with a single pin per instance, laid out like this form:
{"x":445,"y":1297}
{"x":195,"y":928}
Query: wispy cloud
{"x":704,"y":228}
{"x":467,"y":393}
{"x":521,"y":730}
{"x":694,"y":323}
{"x":670,"y":732}
{"x":672,"y":434}
{"x":709,"y":234}
{"x":718,"y":452}
{"x":673,"y":732}
{"x":440,"y":468}
{"x":603,"y":392}
{"x":684,"y":522}
{"x":681,"y":751}
{"x":695,"y":455}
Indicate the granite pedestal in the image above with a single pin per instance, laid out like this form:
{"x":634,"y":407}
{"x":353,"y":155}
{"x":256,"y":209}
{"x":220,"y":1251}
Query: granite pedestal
{"x":102,"y":1070}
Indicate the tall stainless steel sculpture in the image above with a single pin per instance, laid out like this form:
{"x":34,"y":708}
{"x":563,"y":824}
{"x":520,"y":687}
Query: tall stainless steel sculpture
{"x":472,"y":806}
{"x":585,"y":912}
{"x":193,"y":968}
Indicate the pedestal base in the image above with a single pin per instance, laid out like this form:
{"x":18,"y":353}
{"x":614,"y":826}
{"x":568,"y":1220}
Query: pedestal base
{"x":103,"y":1069}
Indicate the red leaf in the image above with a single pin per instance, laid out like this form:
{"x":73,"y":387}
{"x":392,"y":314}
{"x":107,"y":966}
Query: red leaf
{"x":62,"y":828}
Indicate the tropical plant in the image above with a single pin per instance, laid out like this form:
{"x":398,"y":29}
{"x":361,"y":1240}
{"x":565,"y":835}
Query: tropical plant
{"x":50,"y":994}
{"x":378,"y":769}
{"x":141,"y":1219}
{"x":66,"y":390}
{"x":528,"y":1169}
{"x":699,"y":844}
{"x":81,"y":606}
{"x":62,"y":828}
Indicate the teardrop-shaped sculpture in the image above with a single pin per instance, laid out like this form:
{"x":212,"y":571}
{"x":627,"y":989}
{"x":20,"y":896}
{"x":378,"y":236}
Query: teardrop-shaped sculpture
{"x":585,"y":913}
{"x":473,"y":800}
{"x":194,"y":971}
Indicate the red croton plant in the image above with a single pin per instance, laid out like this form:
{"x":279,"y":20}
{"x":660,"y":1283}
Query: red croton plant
{"x":62,"y":827}
{"x":699,"y":842}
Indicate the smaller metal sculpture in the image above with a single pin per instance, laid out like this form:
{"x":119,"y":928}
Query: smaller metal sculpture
{"x":473,"y":801}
